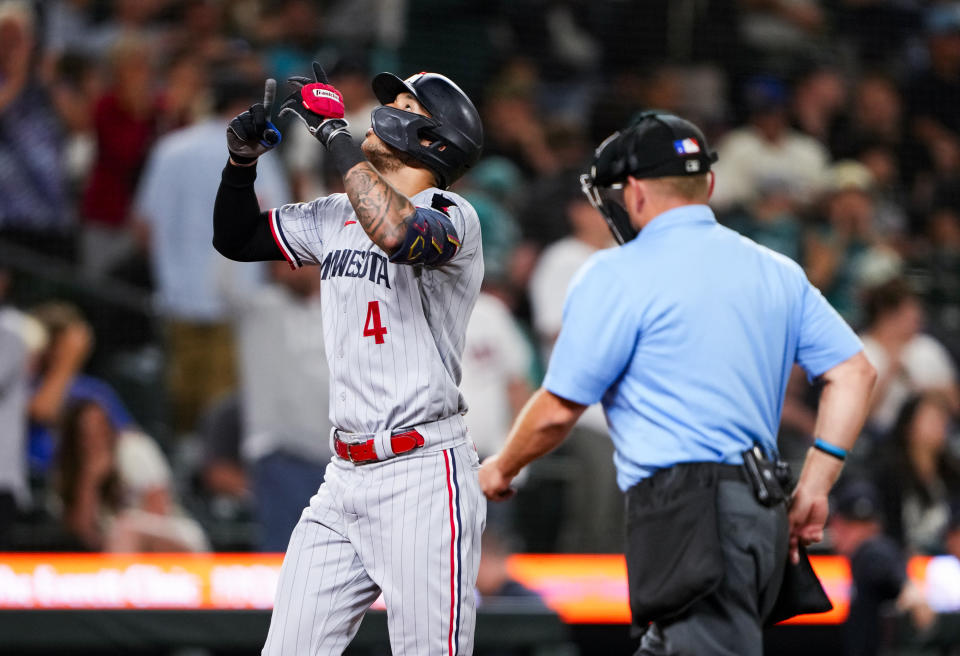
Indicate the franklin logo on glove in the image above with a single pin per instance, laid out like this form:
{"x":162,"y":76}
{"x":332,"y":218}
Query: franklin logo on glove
{"x":322,"y":99}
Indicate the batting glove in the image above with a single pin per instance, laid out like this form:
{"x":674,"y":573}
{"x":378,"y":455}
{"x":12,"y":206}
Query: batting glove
{"x":317,"y":104}
{"x":251,"y":133}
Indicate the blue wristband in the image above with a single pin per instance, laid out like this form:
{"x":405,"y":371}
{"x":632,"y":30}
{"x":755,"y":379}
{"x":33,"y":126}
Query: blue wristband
{"x":830,"y":449}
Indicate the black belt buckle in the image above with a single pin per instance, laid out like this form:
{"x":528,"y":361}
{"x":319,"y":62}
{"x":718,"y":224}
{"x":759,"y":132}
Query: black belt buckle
{"x":763,"y":477}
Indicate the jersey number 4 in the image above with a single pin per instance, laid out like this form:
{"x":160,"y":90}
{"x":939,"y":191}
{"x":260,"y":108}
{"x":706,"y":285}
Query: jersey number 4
{"x":372,"y":326}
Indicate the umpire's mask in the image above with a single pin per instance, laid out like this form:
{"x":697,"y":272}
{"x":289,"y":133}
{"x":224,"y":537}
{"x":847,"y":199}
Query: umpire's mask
{"x":656,"y":145}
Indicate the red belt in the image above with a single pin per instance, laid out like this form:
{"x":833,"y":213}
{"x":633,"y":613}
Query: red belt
{"x":364,"y":452}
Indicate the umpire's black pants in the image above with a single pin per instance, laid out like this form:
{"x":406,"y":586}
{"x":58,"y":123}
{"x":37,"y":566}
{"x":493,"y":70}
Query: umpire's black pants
{"x":729,"y":621}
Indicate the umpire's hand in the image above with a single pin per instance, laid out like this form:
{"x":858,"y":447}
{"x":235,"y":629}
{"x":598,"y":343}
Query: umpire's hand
{"x":251,"y":133}
{"x":809,"y":509}
{"x":494,"y":483}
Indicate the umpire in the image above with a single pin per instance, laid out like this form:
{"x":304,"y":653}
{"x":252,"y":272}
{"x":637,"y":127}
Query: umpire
{"x":687,"y":334}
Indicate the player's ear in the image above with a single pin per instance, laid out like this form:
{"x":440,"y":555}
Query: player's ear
{"x":713,"y":181}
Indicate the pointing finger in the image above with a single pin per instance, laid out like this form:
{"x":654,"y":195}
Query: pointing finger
{"x":299,"y":81}
{"x":269,"y":93}
{"x":319,"y":73}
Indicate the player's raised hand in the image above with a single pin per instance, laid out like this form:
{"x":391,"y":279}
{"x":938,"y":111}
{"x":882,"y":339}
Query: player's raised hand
{"x":251,"y":133}
{"x":317,"y":104}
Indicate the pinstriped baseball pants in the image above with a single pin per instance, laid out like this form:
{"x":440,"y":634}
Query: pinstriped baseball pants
{"x":409,"y":527}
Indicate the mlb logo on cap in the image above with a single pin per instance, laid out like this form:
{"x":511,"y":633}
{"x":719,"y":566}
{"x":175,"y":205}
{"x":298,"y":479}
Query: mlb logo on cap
{"x":688,"y":146}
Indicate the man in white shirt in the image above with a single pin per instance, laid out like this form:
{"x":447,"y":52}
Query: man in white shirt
{"x":496,"y":362}
{"x":766,"y":148}
{"x":593,"y":519}
{"x":174,"y":204}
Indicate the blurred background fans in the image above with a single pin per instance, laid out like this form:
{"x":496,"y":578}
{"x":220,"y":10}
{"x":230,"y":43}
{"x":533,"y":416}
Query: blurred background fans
{"x":125,"y":364}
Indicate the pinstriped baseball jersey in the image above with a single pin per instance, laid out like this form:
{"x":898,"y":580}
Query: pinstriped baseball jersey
{"x":408,"y":526}
{"x":394,"y":333}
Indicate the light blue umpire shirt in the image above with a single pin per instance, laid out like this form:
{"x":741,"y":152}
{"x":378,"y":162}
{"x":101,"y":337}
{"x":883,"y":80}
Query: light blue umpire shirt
{"x":687,"y":334}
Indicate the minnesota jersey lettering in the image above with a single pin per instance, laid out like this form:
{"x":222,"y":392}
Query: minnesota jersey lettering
{"x":355,"y":263}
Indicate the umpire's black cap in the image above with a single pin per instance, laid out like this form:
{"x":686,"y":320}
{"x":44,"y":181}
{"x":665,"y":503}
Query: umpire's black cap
{"x":655,"y":145}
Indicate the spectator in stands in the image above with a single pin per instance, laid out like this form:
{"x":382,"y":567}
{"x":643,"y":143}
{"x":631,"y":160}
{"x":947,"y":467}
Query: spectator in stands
{"x":936,"y":267}
{"x":558,"y":264}
{"x":778,"y":33}
{"x":918,"y":474}
{"x":934,"y":95}
{"x":770,"y":218}
{"x":908,"y":361}
{"x":20,"y":338}
{"x":68,"y":27}
{"x":116,"y":488}
{"x":125,"y":121}
{"x":943,"y":572}
{"x":128,"y":17}
{"x":223,"y":471}
{"x":874,"y":33}
{"x":843,"y":255}
{"x":290,"y":33}
{"x":631,"y":90}
{"x":200,"y":29}
{"x":59,"y":380}
{"x":34,"y":208}
{"x":767,"y":147}
{"x":284,"y":392}
{"x":496,"y":366}
{"x":890,"y":201}
{"x":491,"y":187}
{"x":819,"y":96}
{"x":877,"y":568}
{"x":74,"y":90}
{"x":875,"y":116}
{"x":174,"y":206}
{"x":594,"y":500}
{"x":514,"y":126}
{"x":545,"y":198}
{"x":184,"y":98}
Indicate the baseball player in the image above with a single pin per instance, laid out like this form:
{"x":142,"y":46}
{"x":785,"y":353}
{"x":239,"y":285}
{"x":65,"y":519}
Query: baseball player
{"x":400,"y":511}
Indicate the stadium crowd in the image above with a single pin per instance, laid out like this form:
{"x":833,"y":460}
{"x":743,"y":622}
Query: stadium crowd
{"x":140,"y":410}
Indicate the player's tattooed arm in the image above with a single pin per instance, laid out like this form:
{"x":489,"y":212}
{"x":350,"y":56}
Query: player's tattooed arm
{"x":383,"y":211}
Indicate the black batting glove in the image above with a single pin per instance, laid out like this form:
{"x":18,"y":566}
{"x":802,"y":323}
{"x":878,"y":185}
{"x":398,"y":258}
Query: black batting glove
{"x":317,"y":104}
{"x":251,"y":133}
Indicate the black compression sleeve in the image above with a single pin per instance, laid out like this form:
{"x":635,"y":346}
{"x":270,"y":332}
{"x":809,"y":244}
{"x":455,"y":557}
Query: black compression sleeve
{"x":345,"y":153}
{"x":240,"y":230}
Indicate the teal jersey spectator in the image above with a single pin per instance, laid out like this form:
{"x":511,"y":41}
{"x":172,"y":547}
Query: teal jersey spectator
{"x":780,"y":233}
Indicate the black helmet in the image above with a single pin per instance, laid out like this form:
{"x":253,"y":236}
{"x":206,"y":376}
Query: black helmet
{"x":453,"y":127}
{"x":656,"y":145}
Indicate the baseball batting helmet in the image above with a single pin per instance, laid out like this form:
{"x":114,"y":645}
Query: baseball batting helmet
{"x":656,"y":145}
{"x":453,"y":127}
